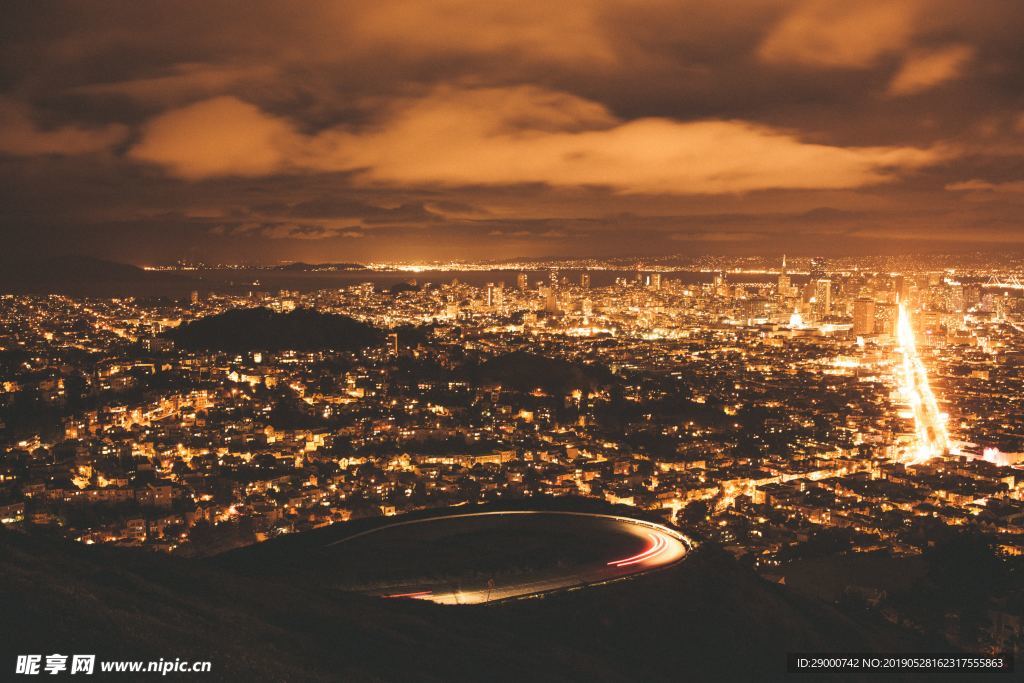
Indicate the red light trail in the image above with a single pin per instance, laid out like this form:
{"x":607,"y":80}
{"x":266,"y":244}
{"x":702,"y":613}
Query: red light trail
{"x":665,"y":548}
{"x":657,"y":546}
{"x":417,"y":594}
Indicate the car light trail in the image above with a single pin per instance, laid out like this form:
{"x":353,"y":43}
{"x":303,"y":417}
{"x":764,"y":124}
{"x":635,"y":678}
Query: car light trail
{"x":932,"y":436}
{"x":417,"y":594}
{"x":665,"y":548}
{"x":657,"y":546}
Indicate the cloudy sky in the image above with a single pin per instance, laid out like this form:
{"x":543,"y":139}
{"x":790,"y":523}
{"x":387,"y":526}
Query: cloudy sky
{"x":342,"y":130}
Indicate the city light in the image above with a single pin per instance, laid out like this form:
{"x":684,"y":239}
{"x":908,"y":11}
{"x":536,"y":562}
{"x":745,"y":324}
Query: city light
{"x":757,"y":414}
{"x":932,"y":435}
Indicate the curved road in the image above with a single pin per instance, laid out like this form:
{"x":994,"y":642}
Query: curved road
{"x":657,"y":547}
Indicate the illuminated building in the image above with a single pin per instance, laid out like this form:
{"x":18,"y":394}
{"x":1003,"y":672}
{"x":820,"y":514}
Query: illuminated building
{"x":796,"y":321}
{"x":885,"y":318}
{"x":863,"y":317}
{"x":551,"y":301}
{"x":784,"y":282}
{"x":720,"y":284}
{"x":822,"y":298}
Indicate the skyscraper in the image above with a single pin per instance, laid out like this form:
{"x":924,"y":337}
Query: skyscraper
{"x":522,"y":282}
{"x":585,"y":280}
{"x":783,"y":287}
{"x":551,"y":301}
{"x":863,"y":316}
{"x":822,"y":297}
{"x":655,"y":280}
{"x":720,"y":283}
{"x":886,"y":315}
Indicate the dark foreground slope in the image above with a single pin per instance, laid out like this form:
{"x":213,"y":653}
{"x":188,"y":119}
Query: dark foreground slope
{"x":706,"y":619}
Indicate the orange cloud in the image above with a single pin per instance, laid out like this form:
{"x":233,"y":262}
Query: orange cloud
{"x":924,"y":70}
{"x":506,"y":136}
{"x":535,"y":29}
{"x":20,"y":136}
{"x":840,"y":33}
{"x":218,"y":137}
{"x":1014,"y":187}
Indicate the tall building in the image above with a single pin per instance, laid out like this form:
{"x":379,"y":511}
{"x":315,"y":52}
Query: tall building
{"x":393,"y":343}
{"x":784,"y":282}
{"x":822,"y":297}
{"x":972,"y":296}
{"x":886,"y":315}
{"x":955,"y":299}
{"x":490,"y":294}
{"x":551,"y":301}
{"x":585,"y":280}
{"x":864,"y":317}
{"x":720,"y":284}
{"x":655,"y":280}
{"x":522,"y":282}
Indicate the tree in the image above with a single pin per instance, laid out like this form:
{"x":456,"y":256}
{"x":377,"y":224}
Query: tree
{"x":695,"y":512}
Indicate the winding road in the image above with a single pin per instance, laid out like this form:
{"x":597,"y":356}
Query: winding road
{"x":657,"y":547}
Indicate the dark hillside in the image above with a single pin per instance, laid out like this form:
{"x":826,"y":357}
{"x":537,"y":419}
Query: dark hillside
{"x":261,"y":329}
{"x":705,"y":616}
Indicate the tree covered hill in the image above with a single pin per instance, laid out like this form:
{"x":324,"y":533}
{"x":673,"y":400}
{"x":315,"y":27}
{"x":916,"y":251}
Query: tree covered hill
{"x":261,"y":329}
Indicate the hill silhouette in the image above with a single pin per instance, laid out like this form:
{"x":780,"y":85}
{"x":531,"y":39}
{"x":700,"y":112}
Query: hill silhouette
{"x":71,"y":273}
{"x":261,"y":329}
{"x":302,"y":267}
{"x":704,"y":619}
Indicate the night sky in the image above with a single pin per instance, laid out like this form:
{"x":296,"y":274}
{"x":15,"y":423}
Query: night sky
{"x":333,"y":131}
